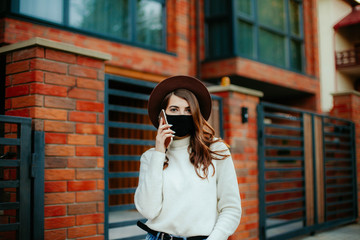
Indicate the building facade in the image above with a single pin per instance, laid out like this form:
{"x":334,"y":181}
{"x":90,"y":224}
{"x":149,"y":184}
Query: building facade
{"x":337,"y":21}
{"x":339,"y":76}
{"x":83,"y":71}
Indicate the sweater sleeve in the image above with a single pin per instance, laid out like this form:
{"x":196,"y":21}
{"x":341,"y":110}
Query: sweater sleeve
{"x":149,"y":194}
{"x":229,"y":203}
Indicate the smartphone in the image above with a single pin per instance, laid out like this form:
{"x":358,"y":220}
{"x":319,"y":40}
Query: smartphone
{"x":162,"y":117}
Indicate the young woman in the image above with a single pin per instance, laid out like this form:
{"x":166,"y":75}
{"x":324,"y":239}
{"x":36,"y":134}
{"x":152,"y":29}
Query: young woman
{"x":189,"y":189}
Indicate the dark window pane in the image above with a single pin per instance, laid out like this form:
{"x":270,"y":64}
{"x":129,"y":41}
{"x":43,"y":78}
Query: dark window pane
{"x":107,"y":17}
{"x":43,"y":9}
{"x":3,"y":6}
{"x":149,"y":24}
{"x":296,"y":55}
{"x":219,"y":39}
{"x":245,"y":39}
{"x":295,"y":18}
{"x":244,"y":6}
{"x":272,"y":13}
{"x":271,"y":48}
{"x":217,"y":7}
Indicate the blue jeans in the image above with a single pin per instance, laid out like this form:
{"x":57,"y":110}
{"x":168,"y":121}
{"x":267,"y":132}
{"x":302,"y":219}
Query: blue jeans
{"x":151,"y":237}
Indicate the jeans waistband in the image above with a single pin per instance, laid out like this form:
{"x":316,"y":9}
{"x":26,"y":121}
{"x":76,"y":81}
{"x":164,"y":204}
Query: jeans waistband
{"x":166,"y":236}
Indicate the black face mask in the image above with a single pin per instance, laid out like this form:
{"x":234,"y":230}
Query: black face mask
{"x":182,"y":124}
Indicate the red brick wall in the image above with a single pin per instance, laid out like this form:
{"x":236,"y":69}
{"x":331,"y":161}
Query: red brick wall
{"x":63,"y":94}
{"x":242,"y":138}
{"x":348,"y":106}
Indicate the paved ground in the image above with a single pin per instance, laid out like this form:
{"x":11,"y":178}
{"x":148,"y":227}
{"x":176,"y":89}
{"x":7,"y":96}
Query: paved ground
{"x":347,"y":232}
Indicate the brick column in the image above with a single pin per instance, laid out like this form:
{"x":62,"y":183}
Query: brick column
{"x":61,"y":87}
{"x":242,"y":138}
{"x":347,"y":105}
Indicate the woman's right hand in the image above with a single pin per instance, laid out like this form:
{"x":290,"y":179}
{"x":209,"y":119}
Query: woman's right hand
{"x":163,"y":133}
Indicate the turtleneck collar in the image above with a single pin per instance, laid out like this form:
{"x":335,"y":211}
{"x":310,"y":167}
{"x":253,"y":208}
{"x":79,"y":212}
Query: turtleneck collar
{"x":180,"y":143}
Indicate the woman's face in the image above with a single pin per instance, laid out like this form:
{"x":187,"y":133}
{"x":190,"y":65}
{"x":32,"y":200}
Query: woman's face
{"x":177,"y":106}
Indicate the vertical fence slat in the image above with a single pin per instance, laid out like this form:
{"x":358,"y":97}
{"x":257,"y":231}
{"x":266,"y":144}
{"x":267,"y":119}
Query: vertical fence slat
{"x":309,"y":173}
{"x":319,"y":169}
{"x":261,"y":165}
{"x":25,"y":184}
{"x":39,"y":185}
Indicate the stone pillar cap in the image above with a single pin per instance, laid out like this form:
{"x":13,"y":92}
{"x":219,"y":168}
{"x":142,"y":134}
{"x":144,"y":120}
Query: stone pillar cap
{"x":235,"y":88}
{"x":348,"y":92}
{"x":37,"y":41}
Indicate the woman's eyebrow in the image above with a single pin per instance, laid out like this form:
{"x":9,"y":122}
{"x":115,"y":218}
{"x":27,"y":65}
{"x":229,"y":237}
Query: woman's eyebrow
{"x":173,"y":106}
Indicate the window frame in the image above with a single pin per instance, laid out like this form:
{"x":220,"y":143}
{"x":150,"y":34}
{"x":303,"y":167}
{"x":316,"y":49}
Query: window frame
{"x":15,"y":12}
{"x":286,"y":34}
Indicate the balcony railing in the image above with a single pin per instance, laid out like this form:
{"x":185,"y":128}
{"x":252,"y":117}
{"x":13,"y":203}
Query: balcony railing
{"x":347,"y":58}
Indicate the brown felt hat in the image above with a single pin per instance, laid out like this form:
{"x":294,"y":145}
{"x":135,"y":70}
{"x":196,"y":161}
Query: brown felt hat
{"x":178,"y":82}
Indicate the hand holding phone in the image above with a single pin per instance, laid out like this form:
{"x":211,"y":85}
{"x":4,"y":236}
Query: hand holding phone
{"x":163,"y":121}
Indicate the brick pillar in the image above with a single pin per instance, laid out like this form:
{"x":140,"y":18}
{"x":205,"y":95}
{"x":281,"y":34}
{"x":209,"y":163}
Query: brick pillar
{"x":61,"y":87}
{"x":242,"y":138}
{"x":347,"y":105}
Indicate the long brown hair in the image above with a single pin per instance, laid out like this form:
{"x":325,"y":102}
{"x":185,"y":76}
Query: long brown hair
{"x":201,"y":155}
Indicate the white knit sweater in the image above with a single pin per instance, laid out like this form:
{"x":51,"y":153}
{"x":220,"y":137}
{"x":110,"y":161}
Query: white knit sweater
{"x":177,"y":201}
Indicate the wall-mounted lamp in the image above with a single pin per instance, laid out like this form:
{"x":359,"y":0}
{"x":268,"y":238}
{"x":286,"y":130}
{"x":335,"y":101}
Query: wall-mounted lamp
{"x":244,"y":115}
{"x":225,"y":81}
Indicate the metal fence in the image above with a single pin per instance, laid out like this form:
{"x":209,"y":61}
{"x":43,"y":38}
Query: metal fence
{"x":21,"y":180}
{"x":307,"y":171}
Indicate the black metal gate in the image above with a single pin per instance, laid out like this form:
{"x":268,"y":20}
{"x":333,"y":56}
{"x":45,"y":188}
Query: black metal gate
{"x":21,"y":180}
{"x":307,"y":171}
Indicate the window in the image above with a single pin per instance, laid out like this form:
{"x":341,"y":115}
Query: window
{"x":139,"y":22}
{"x":269,"y":31}
{"x":109,"y":17}
{"x":218,"y":28}
{"x":3,"y":7}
